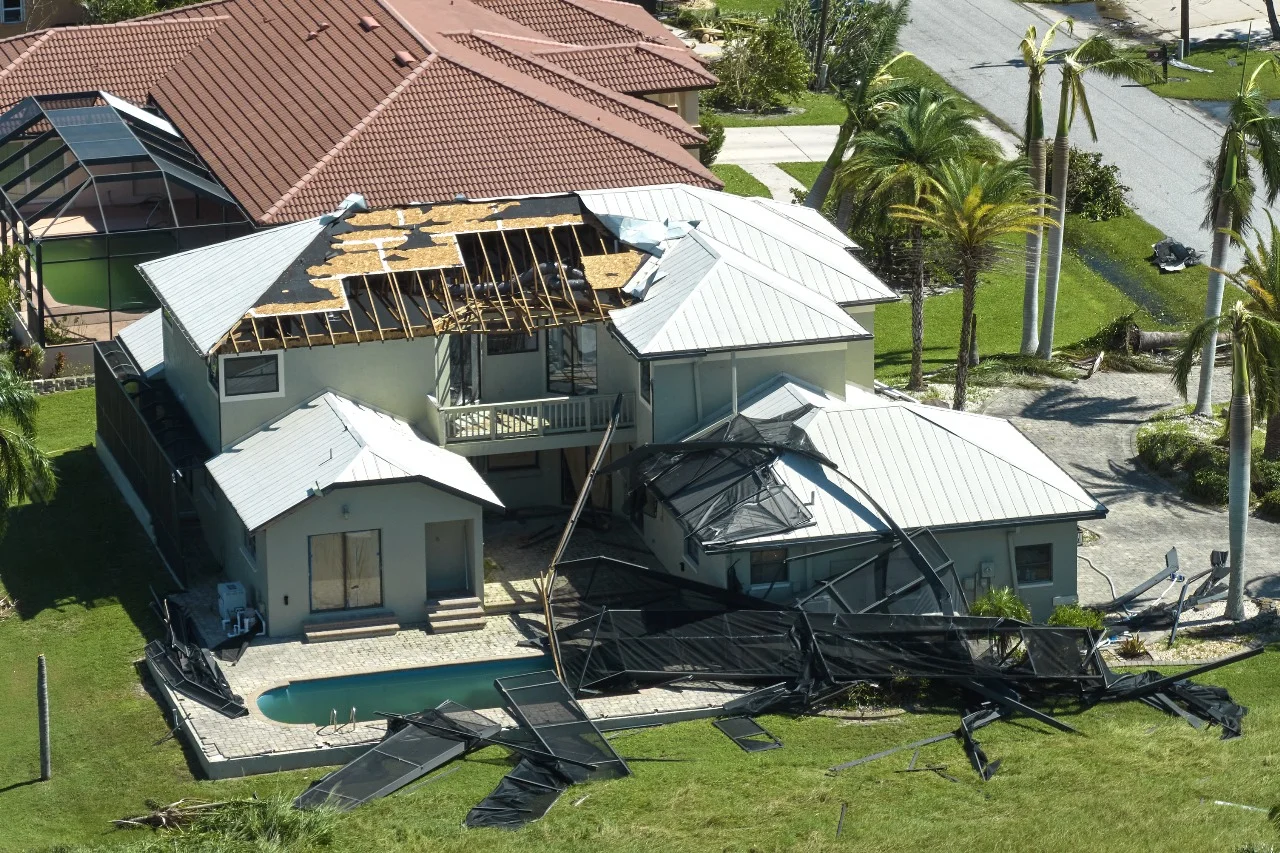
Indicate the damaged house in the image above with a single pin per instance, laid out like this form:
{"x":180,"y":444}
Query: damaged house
{"x":340,"y":415}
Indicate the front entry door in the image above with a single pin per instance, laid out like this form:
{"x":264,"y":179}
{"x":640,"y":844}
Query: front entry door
{"x":448,"y":570}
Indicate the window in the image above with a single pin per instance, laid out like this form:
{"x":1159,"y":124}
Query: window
{"x":769,"y":566}
{"x":13,"y":11}
{"x":250,"y":543}
{"x":692,"y":550}
{"x":646,"y":382}
{"x":571,"y":360}
{"x":346,"y":570}
{"x":1035,"y":563}
{"x":213,"y":373}
{"x":251,"y":375}
{"x":508,"y":344}
{"x":513,"y":461}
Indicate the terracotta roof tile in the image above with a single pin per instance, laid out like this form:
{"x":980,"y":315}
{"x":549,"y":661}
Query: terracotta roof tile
{"x":126,"y":59}
{"x":634,"y":68}
{"x":293,"y":104}
{"x":569,"y":22}
{"x":529,"y":147}
{"x":643,"y":112}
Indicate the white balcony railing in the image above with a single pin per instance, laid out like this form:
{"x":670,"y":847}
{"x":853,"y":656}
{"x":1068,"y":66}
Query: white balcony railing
{"x":533,"y":418}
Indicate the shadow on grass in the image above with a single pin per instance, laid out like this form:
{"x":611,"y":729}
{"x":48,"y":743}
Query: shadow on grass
{"x":82,"y":549}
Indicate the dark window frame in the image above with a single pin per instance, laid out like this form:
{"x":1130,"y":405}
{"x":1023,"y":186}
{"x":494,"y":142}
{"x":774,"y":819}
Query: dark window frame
{"x":518,"y":344}
{"x":577,"y":386}
{"x":646,"y":382}
{"x":759,"y":564}
{"x":10,"y":6}
{"x":241,"y":361}
{"x":382,"y":592}
{"x":1033,"y":564}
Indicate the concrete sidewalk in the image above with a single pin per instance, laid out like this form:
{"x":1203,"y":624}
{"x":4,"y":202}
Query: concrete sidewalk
{"x":792,"y":144}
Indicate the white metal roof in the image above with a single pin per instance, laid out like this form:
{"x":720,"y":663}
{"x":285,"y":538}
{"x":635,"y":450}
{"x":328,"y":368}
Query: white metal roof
{"x":333,"y":440}
{"x":144,"y":339}
{"x":792,"y":244}
{"x":708,"y":296}
{"x":206,"y":291}
{"x":926,"y":467}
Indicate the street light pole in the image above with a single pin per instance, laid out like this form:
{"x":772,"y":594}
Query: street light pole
{"x":1186,"y":27}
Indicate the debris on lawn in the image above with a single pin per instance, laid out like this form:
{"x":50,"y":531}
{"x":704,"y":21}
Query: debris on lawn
{"x":8,"y":606}
{"x":173,"y":816}
{"x":747,"y":733}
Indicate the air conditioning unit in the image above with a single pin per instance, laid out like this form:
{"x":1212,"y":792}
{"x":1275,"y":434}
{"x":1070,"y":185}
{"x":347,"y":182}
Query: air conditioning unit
{"x":231,"y":597}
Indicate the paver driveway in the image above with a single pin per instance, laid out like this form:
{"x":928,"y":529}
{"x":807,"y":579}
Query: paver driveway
{"x":1088,"y":428}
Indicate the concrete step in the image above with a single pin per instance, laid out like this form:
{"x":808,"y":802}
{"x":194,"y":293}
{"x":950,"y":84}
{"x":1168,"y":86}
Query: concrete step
{"x":449,"y":626}
{"x":356,"y":629}
{"x":443,"y":605}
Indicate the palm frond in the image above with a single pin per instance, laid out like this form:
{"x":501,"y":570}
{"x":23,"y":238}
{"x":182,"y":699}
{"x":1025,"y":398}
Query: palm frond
{"x":1185,"y":362}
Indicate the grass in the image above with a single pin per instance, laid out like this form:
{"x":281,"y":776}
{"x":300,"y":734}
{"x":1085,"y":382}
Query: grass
{"x":809,"y":108}
{"x":755,"y":8}
{"x":805,"y":173}
{"x":80,"y":567}
{"x":739,"y":181}
{"x":1224,"y":82}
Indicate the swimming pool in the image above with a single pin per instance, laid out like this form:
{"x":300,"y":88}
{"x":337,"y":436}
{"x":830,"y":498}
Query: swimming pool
{"x":402,"y":691}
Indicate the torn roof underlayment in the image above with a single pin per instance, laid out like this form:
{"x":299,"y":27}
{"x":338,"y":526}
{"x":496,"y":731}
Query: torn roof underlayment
{"x":831,"y":469}
{"x":289,"y":102}
{"x":334,"y":441}
{"x":514,"y":266}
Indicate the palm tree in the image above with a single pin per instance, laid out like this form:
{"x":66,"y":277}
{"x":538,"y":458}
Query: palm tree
{"x":900,"y":162}
{"x":1255,"y":386}
{"x":1036,"y":56}
{"x":864,"y":48}
{"x":1259,"y":278}
{"x":25,"y":471}
{"x":973,"y":206}
{"x":1252,"y":134}
{"x":1096,"y":54}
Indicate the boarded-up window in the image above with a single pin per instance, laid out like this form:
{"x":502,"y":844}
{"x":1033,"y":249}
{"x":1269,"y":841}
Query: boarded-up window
{"x":346,"y":570}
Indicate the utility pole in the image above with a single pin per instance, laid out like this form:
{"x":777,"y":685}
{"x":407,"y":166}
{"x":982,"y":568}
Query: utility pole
{"x":820,"y":50}
{"x":42,"y":701}
{"x":1186,"y":27}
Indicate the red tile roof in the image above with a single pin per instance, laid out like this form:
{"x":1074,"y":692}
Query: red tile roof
{"x":637,"y":69}
{"x":293,"y":104}
{"x":574,"y":22}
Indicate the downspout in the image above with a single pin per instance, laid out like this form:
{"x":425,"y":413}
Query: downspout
{"x":1013,"y":561}
{"x":733,"y":379}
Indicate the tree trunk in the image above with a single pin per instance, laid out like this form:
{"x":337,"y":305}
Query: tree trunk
{"x":822,"y":186}
{"x":1271,"y":447}
{"x":1037,"y":154}
{"x":1213,"y":307}
{"x":1061,"y":148}
{"x":966,"y":329}
{"x":916,"y":382}
{"x":1238,"y":490}
{"x":1272,"y":19}
{"x":974,"y":360}
{"x":844,"y":211}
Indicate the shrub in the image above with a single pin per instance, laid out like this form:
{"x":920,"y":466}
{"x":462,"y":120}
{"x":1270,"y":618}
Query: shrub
{"x":1075,"y":616}
{"x":1094,"y":190}
{"x":1131,"y":647}
{"x":760,"y":71}
{"x":713,"y":130}
{"x":114,"y":11}
{"x":1209,"y":485}
{"x":1266,"y":473}
{"x":1002,"y":602}
{"x":1269,"y":506}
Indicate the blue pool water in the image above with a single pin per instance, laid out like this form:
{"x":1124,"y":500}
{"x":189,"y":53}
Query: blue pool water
{"x":403,"y":691}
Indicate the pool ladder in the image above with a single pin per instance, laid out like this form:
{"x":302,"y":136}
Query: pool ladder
{"x":333,"y":720}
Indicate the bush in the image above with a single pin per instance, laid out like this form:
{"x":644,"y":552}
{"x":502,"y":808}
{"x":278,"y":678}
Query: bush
{"x":713,"y":130}
{"x":1002,"y":602}
{"x":114,"y":11}
{"x":1094,"y":190}
{"x":1209,"y":485}
{"x":1269,"y":506}
{"x":761,"y":71}
{"x":1075,"y":616}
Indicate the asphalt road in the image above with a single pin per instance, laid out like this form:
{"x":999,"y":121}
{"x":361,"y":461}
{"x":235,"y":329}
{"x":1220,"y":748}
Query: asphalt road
{"x":1161,"y":146}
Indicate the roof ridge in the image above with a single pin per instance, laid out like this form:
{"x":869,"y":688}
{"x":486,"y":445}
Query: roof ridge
{"x":915,"y":412}
{"x":547,"y":41}
{"x":174,"y":14}
{"x":31,"y":48}
{"x":640,"y":105}
{"x":716,"y":259}
{"x":606,"y":19}
{"x":342,"y":143}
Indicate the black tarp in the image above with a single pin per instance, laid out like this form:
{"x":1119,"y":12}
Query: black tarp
{"x":193,"y":672}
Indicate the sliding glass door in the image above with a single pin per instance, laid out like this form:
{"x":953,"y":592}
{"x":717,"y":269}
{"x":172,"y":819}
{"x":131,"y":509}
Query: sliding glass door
{"x":571,"y":360}
{"x":346,"y":570}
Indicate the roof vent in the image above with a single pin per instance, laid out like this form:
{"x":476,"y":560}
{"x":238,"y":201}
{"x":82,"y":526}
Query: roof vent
{"x":321,"y":27}
{"x":369,"y":22}
{"x":404,"y":57}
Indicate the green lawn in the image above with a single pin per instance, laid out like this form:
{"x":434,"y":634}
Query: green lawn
{"x":739,"y":182}
{"x":815,"y":108}
{"x":1224,"y":82}
{"x":741,"y":8}
{"x":79,"y":568}
{"x":805,"y":173}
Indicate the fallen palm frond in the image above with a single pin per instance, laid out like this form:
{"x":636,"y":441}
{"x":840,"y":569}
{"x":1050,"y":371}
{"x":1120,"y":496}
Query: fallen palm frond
{"x":177,"y":815}
{"x":1117,"y":343}
{"x":8,"y":606}
{"x":1012,"y":370}
{"x":272,"y":821}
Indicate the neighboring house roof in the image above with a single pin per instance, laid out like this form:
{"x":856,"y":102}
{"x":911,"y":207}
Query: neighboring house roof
{"x":334,"y":441}
{"x":709,"y":297}
{"x":585,"y":22}
{"x":144,"y":341}
{"x":206,"y":291}
{"x":799,"y":250}
{"x":637,"y":69}
{"x":927,"y":467}
{"x":288,"y":100}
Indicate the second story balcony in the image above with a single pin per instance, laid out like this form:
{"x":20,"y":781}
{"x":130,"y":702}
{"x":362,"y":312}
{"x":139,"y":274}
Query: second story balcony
{"x":519,"y":425}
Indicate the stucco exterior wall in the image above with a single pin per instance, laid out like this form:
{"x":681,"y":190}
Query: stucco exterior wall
{"x":394,"y":376}
{"x":188,"y":375}
{"x":860,"y":356}
{"x":401,"y":511}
